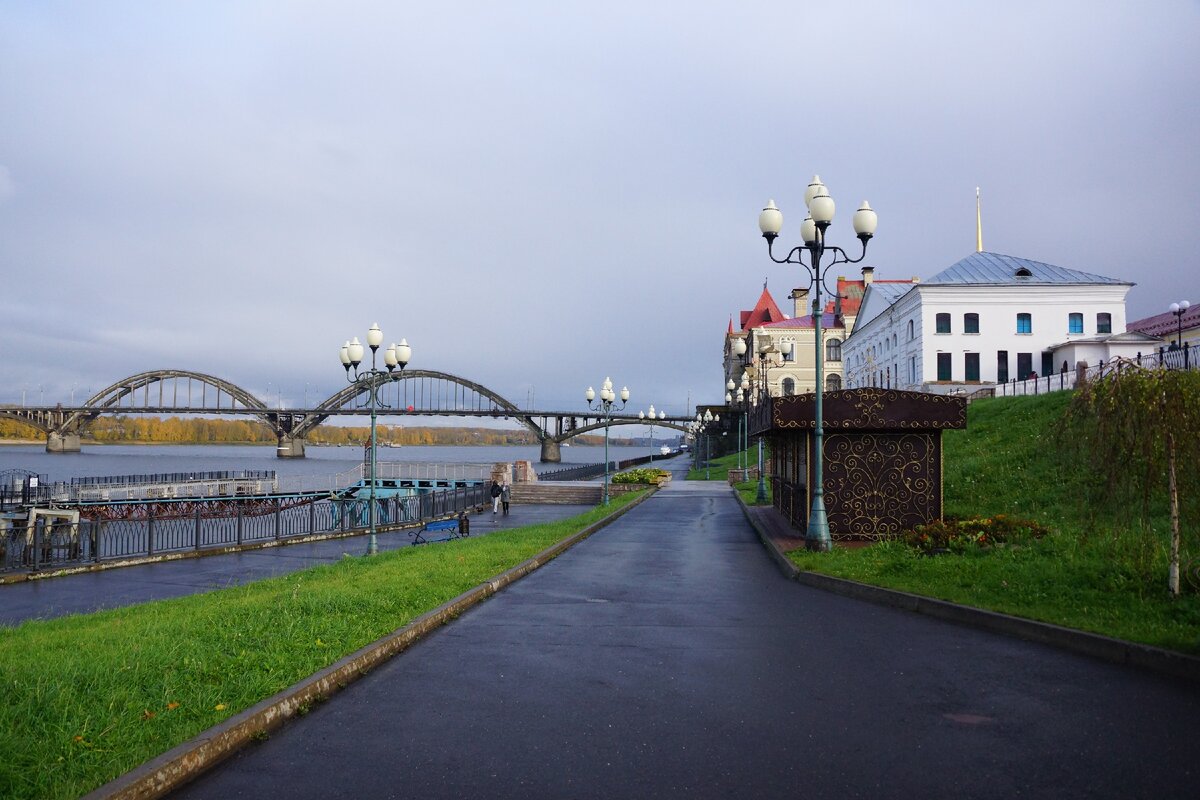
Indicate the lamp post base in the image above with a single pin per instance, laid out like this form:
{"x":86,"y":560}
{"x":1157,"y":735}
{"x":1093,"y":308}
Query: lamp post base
{"x":817,"y":536}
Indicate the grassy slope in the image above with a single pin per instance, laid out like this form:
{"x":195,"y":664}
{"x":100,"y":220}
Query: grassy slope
{"x":1100,"y":571}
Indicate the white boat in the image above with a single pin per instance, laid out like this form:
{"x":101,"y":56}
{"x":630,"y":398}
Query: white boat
{"x":666,"y":451}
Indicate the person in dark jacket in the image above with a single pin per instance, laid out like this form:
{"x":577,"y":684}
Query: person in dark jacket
{"x":495,"y":497}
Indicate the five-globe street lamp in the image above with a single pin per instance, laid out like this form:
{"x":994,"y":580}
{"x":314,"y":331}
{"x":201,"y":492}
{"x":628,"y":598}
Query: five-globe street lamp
{"x":1178,"y":310}
{"x":369,"y":380}
{"x":652,"y":415}
{"x":812,"y":232}
{"x":606,"y":404}
{"x":702,"y":423}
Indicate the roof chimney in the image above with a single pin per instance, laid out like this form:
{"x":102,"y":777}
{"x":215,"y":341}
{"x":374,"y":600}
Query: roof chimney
{"x":868,"y":276}
{"x":800,"y":298}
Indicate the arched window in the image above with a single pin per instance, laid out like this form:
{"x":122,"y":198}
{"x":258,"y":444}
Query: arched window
{"x":833,"y":350}
{"x":833,"y":383}
{"x":789,"y":387}
{"x":911,"y":334}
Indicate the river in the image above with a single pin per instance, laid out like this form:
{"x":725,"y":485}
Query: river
{"x":319,"y":463}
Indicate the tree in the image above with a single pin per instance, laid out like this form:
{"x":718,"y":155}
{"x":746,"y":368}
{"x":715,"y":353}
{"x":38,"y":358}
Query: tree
{"x":1135,"y":426}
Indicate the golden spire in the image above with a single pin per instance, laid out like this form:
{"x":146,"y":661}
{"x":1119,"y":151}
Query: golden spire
{"x":978,"y":224}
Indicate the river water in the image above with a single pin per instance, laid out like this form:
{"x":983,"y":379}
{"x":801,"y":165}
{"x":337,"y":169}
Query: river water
{"x":320,"y":464}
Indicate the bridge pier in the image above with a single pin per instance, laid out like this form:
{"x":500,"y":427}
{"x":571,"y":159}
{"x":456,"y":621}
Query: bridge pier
{"x":62,"y":443}
{"x":290,"y":447}
{"x":551,"y":454}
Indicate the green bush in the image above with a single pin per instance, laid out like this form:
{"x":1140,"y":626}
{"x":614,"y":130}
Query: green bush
{"x":956,"y":535}
{"x":644,"y":475}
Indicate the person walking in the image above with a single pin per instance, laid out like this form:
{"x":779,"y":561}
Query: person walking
{"x":495,"y":492}
{"x":505,"y":497}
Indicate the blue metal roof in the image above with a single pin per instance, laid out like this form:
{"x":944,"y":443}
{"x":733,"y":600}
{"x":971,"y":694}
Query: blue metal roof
{"x":891,"y":292}
{"x":995,"y":268}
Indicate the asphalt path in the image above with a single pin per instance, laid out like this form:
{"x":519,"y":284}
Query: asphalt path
{"x":666,"y":656}
{"x":124,"y":586}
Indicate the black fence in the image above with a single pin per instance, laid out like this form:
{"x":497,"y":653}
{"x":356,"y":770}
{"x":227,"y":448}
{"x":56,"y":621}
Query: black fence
{"x":586,"y":471}
{"x":53,"y":542}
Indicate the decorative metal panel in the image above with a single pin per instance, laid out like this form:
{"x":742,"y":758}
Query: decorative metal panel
{"x":878,"y":484}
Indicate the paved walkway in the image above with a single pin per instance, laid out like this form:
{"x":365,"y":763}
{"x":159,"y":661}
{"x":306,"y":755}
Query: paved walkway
{"x":666,"y":656}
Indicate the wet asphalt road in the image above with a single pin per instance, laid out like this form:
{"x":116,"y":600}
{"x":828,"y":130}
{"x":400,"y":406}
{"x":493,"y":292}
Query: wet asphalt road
{"x":123,"y":586}
{"x":666,"y":656}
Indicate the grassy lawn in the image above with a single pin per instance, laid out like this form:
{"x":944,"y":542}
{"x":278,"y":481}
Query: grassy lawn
{"x":84,"y":699}
{"x":1101,"y":569}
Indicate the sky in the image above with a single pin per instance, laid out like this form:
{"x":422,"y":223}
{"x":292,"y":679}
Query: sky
{"x":537,"y":195}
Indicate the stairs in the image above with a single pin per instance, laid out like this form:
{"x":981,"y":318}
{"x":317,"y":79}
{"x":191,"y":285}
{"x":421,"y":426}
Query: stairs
{"x":551,"y":493}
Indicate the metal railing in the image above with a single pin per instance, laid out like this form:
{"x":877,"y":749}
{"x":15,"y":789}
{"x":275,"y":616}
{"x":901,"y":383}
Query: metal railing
{"x":1181,"y":358}
{"x":53,"y":544}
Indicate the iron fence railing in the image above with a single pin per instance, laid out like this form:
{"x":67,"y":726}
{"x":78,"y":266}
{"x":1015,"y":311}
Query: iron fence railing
{"x":1181,"y":358}
{"x":54,"y":543}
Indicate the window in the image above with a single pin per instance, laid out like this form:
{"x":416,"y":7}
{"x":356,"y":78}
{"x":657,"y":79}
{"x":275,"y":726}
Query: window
{"x":1024,"y":323}
{"x":789,"y":387}
{"x":1001,"y":366}
{"x":943,"y":366}
{"x":912,"y":369}
{"x":1075,"y":323}
{"x":970,"y":323}
{"x":943,"y":323}
{"x":790,"y":355}
{"x":833,"y":350}
{"x":833,"y":383}
{"x":971,"y":366}
{"x":911,"y":335}
{"x":1104,"y":323}
{"x":1047,"y":364}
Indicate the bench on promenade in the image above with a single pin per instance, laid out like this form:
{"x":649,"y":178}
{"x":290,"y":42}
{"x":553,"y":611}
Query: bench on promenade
{"x":456,"y":528}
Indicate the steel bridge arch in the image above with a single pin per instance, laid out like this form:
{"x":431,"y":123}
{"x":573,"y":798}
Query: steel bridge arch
{"x":332,"y":404}
{"x":108,"y":399}
{"x":598,"y":426}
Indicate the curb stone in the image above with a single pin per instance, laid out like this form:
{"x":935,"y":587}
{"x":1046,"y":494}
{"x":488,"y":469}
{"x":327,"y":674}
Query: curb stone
{"x":1094,"y":645}
{"x":185,"y":762}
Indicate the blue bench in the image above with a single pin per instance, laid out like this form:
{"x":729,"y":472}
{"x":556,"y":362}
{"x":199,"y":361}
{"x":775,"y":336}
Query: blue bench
{"x":451,"y":526}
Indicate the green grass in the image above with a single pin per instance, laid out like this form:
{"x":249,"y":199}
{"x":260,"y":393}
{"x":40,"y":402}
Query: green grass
{"x":84,"y":699}
{"x":1101,"y":570}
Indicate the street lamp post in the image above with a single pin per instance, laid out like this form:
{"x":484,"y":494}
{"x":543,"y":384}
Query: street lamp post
{"x":702,"y":423}
{"x":606,"y":405}
{"x":1178,"y":310}
{"x":396,"y":356}
{"x":812,"y":232}
{"x":652,"y":415}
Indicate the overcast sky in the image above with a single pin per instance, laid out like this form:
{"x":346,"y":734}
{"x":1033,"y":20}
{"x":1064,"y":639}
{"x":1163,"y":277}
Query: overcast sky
{"x":537,"y":195}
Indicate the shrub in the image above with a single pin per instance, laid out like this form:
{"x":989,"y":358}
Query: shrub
{"x":645,"y":475}
{"x":957,"y":535}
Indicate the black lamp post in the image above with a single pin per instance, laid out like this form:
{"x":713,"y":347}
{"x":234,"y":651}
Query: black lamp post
{"x":396,"y":356}
{"x":1178,"y":310}
{"x":812,"y":232}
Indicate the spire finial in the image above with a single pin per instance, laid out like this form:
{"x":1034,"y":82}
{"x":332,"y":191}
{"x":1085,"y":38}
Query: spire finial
{"x":978,"y":223}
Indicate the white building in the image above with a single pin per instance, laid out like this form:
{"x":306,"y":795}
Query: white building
{"x":987,"y":319}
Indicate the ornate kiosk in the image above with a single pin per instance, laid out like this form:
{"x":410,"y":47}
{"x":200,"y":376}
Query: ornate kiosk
{"x":883,"y":457}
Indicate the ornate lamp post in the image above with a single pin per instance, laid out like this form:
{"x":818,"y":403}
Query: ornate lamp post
{"x":606,"y":405}
{"x":1178,"y":310}
{"x":652,"y":415}
{"x":702,"y":423}
{"x":812,"y":232}
{"x":396,"y":356}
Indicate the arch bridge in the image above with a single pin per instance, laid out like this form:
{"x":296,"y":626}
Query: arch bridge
{"x":406,"y":393}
